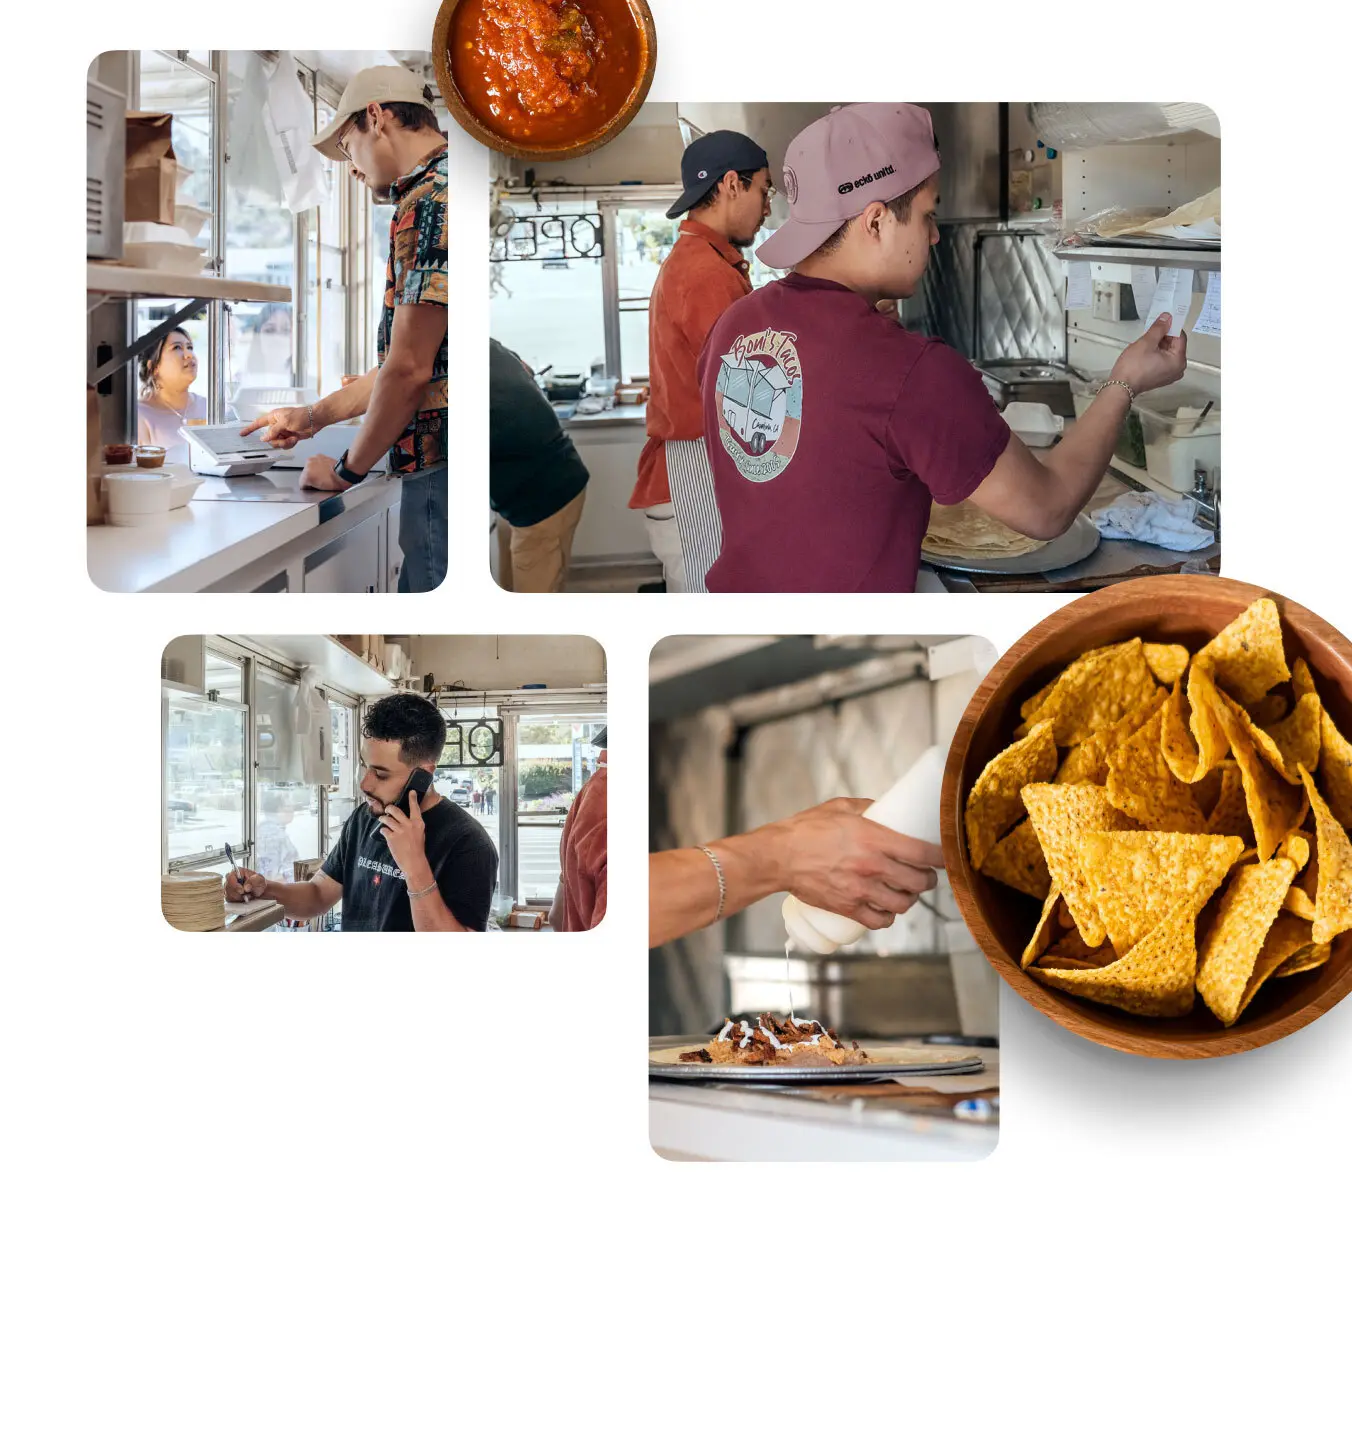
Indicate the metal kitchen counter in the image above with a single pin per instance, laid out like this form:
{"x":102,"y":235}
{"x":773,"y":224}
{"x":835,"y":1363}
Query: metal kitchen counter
{"x":719,"y":1122}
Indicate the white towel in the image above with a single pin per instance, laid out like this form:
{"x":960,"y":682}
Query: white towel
{"x":1166,"y":522}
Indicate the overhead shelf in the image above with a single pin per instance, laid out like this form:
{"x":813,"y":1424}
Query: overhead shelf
{"x":1120,"y":259}
{"x":108,"y":279}
{"x":339,"y":665}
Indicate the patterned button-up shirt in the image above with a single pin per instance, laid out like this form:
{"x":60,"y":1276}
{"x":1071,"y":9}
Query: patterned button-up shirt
{"x":415,"y":275}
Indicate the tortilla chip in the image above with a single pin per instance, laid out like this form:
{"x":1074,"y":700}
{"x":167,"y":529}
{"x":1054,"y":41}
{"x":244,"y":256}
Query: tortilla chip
{"x":1309,"y":957}
{"x":1142,"y":785}
{"x":1274,"y":806}
{"x":1230,"y":816}
{"x":1333,"y":897}
{"x":1206,"y":793}
{"x":1298,"y":735}
{"x":1062,"y":814}
{"x":1335,"y":770}
{"x":1302,"y":680}
{"x":1074,"y":947}
{"x":1034,"y":702}
{"x":1247,"y":656}
{"x":994,"y":805}
{"x":1247,"y":911}
{"x":1299,"y":904}
{"x":1194,"y":743}
{"x":1087,"y":762}
{"x":1042,"y":936}
{"x":1286,"y":951}
{"x":1154,"y":979}
{"x":1096,"y":691}
{"x":1017,"y":861}
{"x":1296,"y":846}
{"x":1139,"y":877}
{"x":1167,"y":662}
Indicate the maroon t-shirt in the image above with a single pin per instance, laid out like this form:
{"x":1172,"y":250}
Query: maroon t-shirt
{"x":831,"y":430}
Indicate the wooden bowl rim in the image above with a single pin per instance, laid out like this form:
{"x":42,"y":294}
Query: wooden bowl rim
{"x":1082,"y":1017}
{"x":469,"y":121}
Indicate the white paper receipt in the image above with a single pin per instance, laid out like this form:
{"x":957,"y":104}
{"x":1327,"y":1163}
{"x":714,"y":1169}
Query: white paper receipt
{"x":1173,"y":294}
{"x":1208,"y":323}
{"x":1079,"y":286}
{"x":1143,"y":288}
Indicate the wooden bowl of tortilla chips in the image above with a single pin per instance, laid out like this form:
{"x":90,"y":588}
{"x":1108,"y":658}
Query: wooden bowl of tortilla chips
{"x":1186,"y":810}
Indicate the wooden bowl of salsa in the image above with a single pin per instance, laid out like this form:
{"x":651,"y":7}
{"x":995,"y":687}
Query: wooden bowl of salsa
{"x":544,"y":79}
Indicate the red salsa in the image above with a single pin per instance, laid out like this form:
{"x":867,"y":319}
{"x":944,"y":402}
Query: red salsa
{"x":546,"y":73}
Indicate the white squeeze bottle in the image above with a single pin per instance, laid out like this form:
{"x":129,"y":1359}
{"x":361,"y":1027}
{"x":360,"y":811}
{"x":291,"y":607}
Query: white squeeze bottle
{"x":911,"y":807}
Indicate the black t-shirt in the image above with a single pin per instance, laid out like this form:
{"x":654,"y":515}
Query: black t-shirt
{"x":461,"y":856}
{"x":533,"y":467}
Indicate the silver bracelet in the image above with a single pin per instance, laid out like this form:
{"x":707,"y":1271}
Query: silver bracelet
{"x":310,"y":421}
{"x":1117,"y":382}
{"x":722,"y":883}
{"x":418,"y":894}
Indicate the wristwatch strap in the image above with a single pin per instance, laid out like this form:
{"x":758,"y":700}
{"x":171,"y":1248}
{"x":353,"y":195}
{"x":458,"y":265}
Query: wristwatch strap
{"x":342,"y":470}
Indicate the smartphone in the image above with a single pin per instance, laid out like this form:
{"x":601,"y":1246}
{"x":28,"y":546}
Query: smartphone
{"x":420,"y":781}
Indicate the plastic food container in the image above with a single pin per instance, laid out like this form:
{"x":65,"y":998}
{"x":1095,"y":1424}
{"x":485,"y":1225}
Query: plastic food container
{"x":1173,"y":445}
{"x":118,"y":454}
{"x":137,"y":496}
{"x":1034,"y":423}
{"x":148,"y":455}
{"x":1130,"y":444}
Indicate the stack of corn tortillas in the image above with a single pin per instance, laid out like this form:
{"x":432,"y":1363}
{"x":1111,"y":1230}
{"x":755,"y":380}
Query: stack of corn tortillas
{"x":964,"y":531}
{"x":194,"y":901}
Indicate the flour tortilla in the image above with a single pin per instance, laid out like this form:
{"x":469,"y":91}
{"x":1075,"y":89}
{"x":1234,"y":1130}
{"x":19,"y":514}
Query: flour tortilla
{"x":965,"y":531}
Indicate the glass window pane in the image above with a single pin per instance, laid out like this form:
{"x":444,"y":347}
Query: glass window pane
{"x":225,"y":677}
{"x":343,"y":796}
{"x":382,"y":218}
{"x":168,"y":85}
{"x":259,"y":244}
{"x":550,"y":311}
{"x":476,"y":787}
{"x":555,"y":757}
{"x":288,"y":809}
{"x":643,"y":239}
{"x":204,"y":768}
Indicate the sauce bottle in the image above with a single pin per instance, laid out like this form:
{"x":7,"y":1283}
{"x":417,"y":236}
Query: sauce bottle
{"x":911,"y":807}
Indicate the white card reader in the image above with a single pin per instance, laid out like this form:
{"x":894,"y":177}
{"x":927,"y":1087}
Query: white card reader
{"x":220,"y":452}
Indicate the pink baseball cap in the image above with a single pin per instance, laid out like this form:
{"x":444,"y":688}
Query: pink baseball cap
{"x":874,"y":151}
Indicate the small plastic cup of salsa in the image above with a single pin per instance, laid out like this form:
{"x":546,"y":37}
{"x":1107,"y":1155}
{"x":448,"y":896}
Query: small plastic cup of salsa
{"x":544,"y":79}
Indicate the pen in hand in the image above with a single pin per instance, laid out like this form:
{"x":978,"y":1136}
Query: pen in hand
{"x":239,"y":874}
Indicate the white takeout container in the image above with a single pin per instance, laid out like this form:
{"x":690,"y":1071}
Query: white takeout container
{"x":183,"y":483}
{"x":137,"y":496}
{"x":1033,"y":423}
{"x":190,"y":220}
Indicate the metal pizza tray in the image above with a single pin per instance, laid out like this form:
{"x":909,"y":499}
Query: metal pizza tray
{"x":888,"y":1062}
{"x":1074,"y":545}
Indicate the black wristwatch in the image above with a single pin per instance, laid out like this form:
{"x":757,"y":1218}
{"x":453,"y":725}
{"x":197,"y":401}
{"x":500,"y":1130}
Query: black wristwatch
{"x":341,"y":470}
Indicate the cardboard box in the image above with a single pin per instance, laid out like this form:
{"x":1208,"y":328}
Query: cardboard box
{"x":152,"y":167}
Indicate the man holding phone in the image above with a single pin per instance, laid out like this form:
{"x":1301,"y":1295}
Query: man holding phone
{"x":410,"y":860}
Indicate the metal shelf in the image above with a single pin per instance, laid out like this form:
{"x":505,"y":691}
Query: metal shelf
{"x":110,"y":280}
{"x":107,"y":282}
{"x":1198,"y":258}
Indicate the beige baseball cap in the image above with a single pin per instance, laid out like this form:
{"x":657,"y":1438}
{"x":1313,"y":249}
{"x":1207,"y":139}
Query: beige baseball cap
{"x":383,"y":84}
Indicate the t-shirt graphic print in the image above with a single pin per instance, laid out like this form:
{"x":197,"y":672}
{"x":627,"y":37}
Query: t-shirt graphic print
{"x":759,"y":394}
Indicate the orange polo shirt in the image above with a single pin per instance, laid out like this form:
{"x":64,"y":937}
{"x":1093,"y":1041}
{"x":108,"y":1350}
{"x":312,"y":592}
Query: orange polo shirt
{"x":701,"y":278}
{"x":582,"y":855}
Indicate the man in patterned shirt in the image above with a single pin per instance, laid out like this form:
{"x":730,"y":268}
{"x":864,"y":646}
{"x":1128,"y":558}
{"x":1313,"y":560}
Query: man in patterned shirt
{"x":385,"y":130}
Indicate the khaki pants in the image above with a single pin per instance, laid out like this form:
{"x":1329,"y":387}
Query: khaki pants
{"x":536,"y":559}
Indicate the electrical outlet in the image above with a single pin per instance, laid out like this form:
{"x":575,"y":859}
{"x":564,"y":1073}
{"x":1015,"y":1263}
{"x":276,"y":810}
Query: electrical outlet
{"x":1108,"y":301}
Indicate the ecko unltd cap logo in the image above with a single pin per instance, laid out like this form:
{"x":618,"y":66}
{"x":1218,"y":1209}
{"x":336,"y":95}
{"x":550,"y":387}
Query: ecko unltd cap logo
{"x":846,"y":187}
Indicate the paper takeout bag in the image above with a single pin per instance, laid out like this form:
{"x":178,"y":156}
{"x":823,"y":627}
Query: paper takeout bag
{"x":152,"y":167}
{"x":94,"y":458}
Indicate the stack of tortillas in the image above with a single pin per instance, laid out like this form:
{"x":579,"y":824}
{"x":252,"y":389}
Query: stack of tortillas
{"x":964,"y":531}
{"x":194,"y":901}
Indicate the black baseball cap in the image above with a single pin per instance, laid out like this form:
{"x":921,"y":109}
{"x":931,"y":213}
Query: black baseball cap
{"x":708,"y":159}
